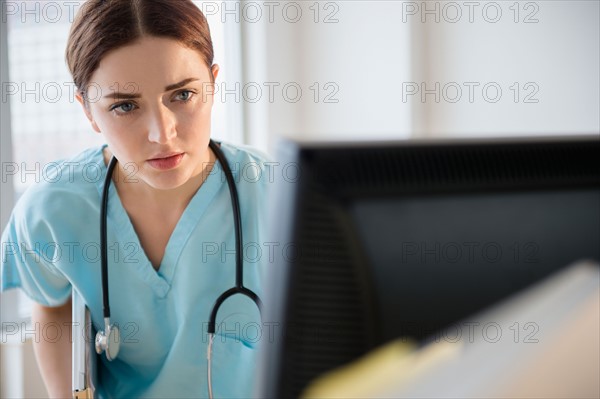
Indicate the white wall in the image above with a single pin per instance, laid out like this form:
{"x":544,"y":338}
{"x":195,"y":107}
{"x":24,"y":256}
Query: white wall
{"x":377,"y":50}
{"x":16,"y":354}
{"x":7,"y":190}
{"x":20,"y":376}
{"x":559,"y":55}
{"x":361,"y":53}
{"x":6,"y":183}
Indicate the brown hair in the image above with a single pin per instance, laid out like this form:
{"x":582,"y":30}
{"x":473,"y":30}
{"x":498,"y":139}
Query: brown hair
{"x":104,"y":25}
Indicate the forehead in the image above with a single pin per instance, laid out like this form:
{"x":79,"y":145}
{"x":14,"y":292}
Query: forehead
{"x":150,"y":63}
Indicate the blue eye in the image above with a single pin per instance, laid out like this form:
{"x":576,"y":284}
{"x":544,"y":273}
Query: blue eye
{"x":127,"y":107}
{"x":123,"y":108}
{"x":185,"y":95}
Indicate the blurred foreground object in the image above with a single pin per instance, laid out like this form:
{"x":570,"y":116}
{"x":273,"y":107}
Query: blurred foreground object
{"x":558,"y":356}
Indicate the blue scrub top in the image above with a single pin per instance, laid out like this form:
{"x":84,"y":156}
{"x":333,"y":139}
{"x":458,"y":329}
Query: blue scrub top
{"x":52,"y":245}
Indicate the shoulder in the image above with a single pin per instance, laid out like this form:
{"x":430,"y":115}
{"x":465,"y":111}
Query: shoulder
{"x":244,"y":152}
{"x":248,"y":164}
{"x":65,"y":188}
{"x":50,"y":219}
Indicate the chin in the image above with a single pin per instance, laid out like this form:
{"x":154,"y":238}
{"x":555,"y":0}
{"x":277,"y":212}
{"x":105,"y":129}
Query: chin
{"x":167,"y":181}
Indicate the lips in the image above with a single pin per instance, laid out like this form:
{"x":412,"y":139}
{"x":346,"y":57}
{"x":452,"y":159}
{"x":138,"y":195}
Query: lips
{"x":166,"y":161}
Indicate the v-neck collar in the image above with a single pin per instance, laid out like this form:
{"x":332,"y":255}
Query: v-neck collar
{"x":119,"y":224}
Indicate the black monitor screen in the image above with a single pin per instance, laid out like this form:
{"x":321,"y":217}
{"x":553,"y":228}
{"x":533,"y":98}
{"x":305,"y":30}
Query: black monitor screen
{"x":437,"y":259}
{"x":403,"y":239}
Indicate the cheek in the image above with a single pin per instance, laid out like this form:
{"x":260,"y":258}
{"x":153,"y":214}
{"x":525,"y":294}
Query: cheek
{"x":119,"y":128}
{"x":196,"y":122}
{"x":122,"y":137}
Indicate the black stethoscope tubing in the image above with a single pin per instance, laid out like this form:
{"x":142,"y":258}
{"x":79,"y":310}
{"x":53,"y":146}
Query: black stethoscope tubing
{"x":239,"y":267}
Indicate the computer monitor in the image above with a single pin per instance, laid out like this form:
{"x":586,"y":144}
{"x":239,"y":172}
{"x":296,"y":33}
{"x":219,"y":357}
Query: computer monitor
{"x":403,"y":239}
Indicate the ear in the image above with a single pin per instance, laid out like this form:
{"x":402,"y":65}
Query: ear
{"x":215,"y":71}
{"x":87,"y":111}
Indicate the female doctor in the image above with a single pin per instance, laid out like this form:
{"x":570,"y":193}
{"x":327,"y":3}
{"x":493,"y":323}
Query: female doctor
{"x":144,"y":74}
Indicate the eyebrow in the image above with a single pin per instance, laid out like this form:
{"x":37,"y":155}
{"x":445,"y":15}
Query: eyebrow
{"x":180,"y":84}
{"x":128,"y":96}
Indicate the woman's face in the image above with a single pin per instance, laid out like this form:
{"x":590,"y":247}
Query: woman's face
{"x":152,"y":101}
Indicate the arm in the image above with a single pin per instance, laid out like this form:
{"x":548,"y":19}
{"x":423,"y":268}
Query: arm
{"x":54,"y":357}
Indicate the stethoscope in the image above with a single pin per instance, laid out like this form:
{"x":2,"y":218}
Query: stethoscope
{"x":109,"y":339}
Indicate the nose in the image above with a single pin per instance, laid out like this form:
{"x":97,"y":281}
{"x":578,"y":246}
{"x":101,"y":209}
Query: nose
{"x":162,"y":126}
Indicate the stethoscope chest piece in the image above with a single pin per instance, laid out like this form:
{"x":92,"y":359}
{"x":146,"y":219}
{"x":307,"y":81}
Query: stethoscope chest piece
{"x":108,"y":341}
